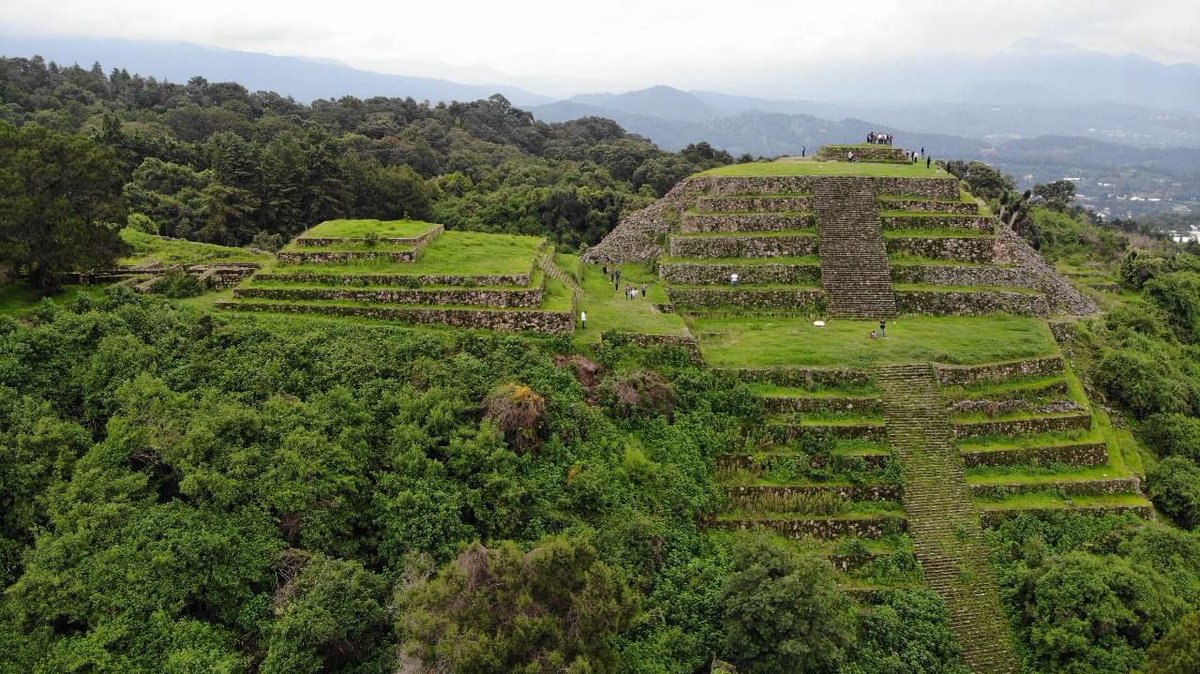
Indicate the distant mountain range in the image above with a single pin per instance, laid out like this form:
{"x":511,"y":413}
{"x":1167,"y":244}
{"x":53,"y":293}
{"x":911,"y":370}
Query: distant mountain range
{"x":1124,"y":125}
{"x":302,"y":79}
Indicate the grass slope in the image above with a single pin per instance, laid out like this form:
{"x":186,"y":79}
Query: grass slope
{"x":783,"y":342}
{"x":608,"y":309}
{"x":150,"y":249}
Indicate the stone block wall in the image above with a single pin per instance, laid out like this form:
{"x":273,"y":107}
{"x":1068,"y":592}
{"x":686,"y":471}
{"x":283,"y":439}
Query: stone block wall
{"x":976,"y":249}
{"x":875,"y":153}
{"x":754,"y":204}
{"x":823,"y":528}
{"x":760,"y":464}
{"x":802,"y":301}
{"x":1104,"y":487}
{"x":964,"y":275}
{"x":405,"y":280}
{"x":995,"y":517}
{"x":1034,"y":426}
{"x":858,"y":492}
{"x":336,"y":256}
{"x":970,"y":303}
{"x":746,"y":222}
{"x":489,"y":319}
{"x":484,"y":297}
{"x":929,"y":206}
{"x":742,"y":246}
{"x":783,"y":433}
{"x":949,"y":375}
{"x":417,"y":241}
{"x":693,"y":273}
{"x":972,"y":223}
{"x":822,"y":404}
{"x":808,"y":378}
{"x":1078,"y":454}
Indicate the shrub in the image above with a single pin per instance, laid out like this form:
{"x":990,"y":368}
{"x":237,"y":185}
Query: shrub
{"x":518,"y":412}
{"x":907,"y":631}
{"x":640,"y":393}
{"x":1142,"y":383}
{"x":1174,"y":486}
{"x":178,"y":283}
{"x":783,"y":610}
{"x":1173,"y":435}
{"x":1178,"y":294}
{"x":555,"y":608}
{"x":1178,"y":652}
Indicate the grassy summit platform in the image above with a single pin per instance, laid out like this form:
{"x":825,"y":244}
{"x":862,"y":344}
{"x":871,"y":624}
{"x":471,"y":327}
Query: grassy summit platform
{"x":362,"y":227}
{"x":784,"y":342}
{"x":452,"y":254}
{"x":796,"y":166}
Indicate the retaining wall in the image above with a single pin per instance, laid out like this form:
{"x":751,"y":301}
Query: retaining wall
{"x":760,"y":204}
{"x":742,"y":246}
{"x":761,"y":463}
{"x":418,"y":241}
{"x":799,"y":300}
{"x":994,"y":517}
{"x":809,"y":378}
{"x":1079,"y":454}
{"x":1125,"y":485}
{"x":809,"y":405}
{"x":948,"y":275}
{"x":970,"y":303}
{"x":783,"y":433}
{"x":822,"y":528}
{"x":929,"y":206}
{"x":978,"y":429}
{"x":529,"y":298}
{"x":976,"y":223}
{"x":996,"y":372}
{"x":856,"y":492}
{"x":489,"y":319}
{"x":978,"y":249}
{"x":335,"y":256}
{"x":406,"y":280}
{"x":746,"y":222}
{"x":697,"y":273}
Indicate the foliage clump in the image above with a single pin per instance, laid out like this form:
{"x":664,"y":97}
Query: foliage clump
{"x":517,"y":410}
{"x":555,"y":608}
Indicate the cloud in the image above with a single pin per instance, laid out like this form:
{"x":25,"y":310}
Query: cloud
{"x":627,"y":43}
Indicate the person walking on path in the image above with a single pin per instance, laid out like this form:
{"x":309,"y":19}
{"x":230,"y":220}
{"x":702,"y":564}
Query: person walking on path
{"x":583,"y":320}
{"x":883,"y":328}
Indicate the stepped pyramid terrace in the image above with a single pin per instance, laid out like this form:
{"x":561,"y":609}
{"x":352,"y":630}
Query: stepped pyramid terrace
{"x":890,"y":454}
{"x":895,"y":452}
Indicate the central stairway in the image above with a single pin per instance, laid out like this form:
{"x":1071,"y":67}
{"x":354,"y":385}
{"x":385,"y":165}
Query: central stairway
{"x":946,"y":532}
{"x":854,"y":261}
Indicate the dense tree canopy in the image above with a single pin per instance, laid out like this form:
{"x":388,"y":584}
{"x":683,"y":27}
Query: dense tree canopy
{"x":214,"y":162}
{"x":60,"y":203}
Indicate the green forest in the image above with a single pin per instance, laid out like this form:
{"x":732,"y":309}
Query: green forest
{"x":183,"y":491}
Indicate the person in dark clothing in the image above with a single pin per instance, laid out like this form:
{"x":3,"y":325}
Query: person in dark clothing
{"x":883,"y":328}
{"x":803,"y":150}
{"x":928,"y":161}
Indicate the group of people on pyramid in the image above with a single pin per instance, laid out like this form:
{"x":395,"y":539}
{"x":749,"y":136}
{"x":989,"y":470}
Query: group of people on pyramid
{"x":876,"y":138}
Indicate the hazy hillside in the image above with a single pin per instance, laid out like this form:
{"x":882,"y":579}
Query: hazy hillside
{"x":302,"y":79}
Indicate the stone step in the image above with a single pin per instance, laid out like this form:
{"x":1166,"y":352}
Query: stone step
{"x":1072,"y":454}
{"x":1019,"y":427}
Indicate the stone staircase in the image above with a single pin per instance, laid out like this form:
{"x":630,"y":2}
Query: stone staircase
{"x":854,"y":259}
{"x":942,"y":519}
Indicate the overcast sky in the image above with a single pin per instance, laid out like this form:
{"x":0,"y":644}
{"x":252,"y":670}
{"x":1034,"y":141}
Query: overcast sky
{"x":621,"y":44}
